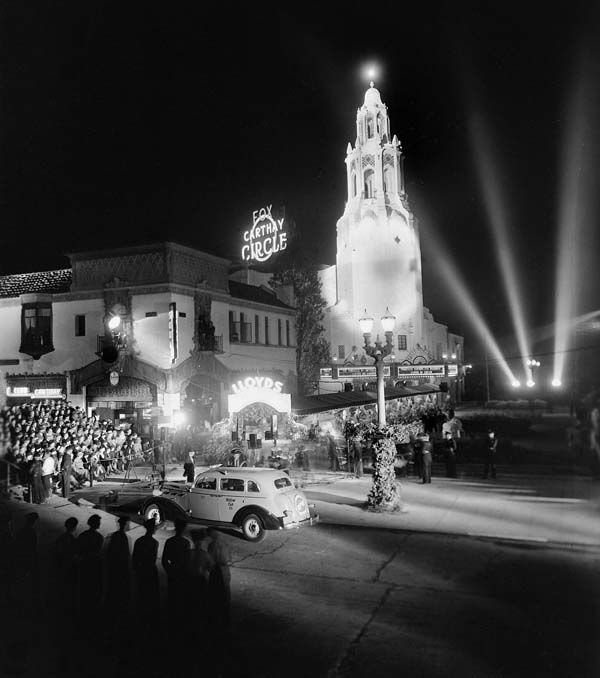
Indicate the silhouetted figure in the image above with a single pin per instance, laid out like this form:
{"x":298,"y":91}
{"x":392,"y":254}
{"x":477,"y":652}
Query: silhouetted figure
{"x":66,"y":559}
{"x":89,"y":550}
{"x":65,"y":472}
{"x":176,"y":562}
{"x":145,"y":553}
{"x":189,"y":469}
{"x":334,"y":464}
{"x":358,"y":458}
{"x":450,"y":455}
{"x":220,"y":578}
{"x":427,"y":455}
{"x":26,"y":563}
{"x":118,"y":568}
{"x":35,"y":476}
{"x":7,"y":555}
{"x":201,"y":566}
{"x":418,"y":458}
{"x":491,"y":445}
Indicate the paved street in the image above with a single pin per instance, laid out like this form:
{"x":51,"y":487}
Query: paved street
{"x":495,"y":578}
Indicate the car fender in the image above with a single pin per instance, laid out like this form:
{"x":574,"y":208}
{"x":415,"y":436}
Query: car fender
{"x":171,"y":509}
{"x":271,"y":521}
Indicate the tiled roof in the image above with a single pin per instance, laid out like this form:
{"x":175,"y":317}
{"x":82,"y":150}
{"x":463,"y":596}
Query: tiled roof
{"x":260,"y":295}
{"x":48,"y":282}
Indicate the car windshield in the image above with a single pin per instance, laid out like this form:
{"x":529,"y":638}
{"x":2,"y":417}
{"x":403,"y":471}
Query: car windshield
{"x":280,"y":483}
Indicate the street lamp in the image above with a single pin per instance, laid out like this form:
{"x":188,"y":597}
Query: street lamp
{"x":532,"y":364}
{"x":379,"y":351}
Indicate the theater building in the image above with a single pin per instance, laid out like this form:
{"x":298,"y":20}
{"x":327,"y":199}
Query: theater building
{"x":143,"y":333}
{"x":378,"y":271}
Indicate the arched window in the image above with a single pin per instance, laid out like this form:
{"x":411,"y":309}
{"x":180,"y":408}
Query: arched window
{"x":369,"y":183}
{"x":388,"y":179}
{"x":353,"y":184}
{"x":370,"y":127}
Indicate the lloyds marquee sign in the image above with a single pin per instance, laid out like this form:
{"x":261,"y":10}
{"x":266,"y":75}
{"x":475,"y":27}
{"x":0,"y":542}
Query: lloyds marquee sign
{"x":266,"y":237}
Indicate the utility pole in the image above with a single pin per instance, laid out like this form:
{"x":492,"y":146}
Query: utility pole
{"x":487,"y":369}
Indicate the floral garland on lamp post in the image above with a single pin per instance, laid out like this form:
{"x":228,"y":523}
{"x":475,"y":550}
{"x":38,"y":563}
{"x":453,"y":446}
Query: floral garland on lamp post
{"x":386,"y":493}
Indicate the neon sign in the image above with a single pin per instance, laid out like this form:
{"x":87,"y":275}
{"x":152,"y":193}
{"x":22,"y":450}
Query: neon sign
{"x":250,"y":383}
{"x":265,"y":238}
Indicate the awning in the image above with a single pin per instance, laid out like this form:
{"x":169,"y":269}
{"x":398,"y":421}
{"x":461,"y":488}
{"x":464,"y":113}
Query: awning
{"x":343,"y":399}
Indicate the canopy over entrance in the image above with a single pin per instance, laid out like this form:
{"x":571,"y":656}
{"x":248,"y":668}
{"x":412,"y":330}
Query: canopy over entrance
{"x":341,"y":400}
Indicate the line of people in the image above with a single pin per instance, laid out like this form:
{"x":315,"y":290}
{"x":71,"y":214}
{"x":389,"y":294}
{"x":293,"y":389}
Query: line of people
{"x":90,"y":573}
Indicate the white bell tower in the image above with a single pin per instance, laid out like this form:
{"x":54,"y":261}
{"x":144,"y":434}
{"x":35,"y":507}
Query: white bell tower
{"x":378,"y":262}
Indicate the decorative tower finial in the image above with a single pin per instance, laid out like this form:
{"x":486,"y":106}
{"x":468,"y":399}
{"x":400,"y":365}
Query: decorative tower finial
{"x":372,"y":84}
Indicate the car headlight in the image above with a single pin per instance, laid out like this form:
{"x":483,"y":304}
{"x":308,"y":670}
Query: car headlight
{"x":300,"y":504}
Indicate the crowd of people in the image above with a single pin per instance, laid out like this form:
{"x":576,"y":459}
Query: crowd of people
{"x":89,"y":572}
{"x":53,"y":446}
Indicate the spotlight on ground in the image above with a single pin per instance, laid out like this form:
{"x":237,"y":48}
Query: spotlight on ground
{"x":516,"y":383}
{"x":530,"y":383}
{"x":557,"y":383}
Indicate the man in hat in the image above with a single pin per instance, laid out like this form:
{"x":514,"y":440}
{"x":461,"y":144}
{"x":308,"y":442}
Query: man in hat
{"x":427,"y":458}
{"x":189,"y":469}
{"x":65,"y":471}
{"x":89,"y":548}
{"x":491,"y":445}
{"x":66,"y":567}
{"x":145,"y":553}
{"x":118,"y":562}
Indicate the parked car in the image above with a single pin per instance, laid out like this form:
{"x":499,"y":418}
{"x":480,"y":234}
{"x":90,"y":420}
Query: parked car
{"x":252,"y":500}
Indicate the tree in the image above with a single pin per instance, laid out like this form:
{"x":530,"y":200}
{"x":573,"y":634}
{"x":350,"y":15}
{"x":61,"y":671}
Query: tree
{"x":312,"y":349}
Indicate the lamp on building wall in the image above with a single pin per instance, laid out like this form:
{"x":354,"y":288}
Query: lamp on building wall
{"x":378,"y":352}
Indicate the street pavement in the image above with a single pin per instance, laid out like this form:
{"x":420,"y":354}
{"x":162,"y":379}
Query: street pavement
{"x":487,"y":577}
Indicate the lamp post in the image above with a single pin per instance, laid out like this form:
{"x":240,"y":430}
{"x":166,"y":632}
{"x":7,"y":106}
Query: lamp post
{"x":378,"y":351}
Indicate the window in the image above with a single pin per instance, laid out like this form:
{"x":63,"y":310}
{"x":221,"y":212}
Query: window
{"x":151,"y":314}
{"x":182,"y":314}
{"x":402,"y":342}
{"x":234,"y":327}
{"x":341,"y":351}
{"x":36,"y":329}
{"x":256,"y":329}
{"x":369,"y":174}
{"x":280,"y":483}
{"x":353,"y":184}
{"x":206,"y":483}
{"x":287,"y":333}
{"x":279,"y":331}
{"x":266,"y":330}
{"x":253,"y":487}
{"x":245,"y":329}
{"x":80,"y":325}
{"x":232,"y":484}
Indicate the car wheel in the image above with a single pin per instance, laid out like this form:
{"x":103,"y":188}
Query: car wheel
{"x":252,"y":527}
{"x":156,"y":513}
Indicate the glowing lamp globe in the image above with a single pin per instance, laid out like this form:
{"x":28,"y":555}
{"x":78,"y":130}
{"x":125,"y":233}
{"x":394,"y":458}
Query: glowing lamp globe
{"x":114,"y":322}
{"x":366,"y":323}
{"x":388,"y":321}
{"x":178,"y":417}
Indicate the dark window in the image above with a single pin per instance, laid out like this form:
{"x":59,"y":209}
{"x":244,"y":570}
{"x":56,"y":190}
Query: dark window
{"x":253,"y":487}
{"x":402,"y":342}
{"x":182,"y":315}
{"x":341,"y":351}
{"x":206,"y":483}
{"x":256,"y":329}
{"x":234,"y":327}
{"x":232,"y":484}
{"x":287,"y":332}
{"x":151,"y":314}
{"x":80,"y":325}
{"x":36,"y":329}
{"x":280,"y":483}
{"x":245,"y":329}
{"x":279,"y":331}
{"x":266,"y":330}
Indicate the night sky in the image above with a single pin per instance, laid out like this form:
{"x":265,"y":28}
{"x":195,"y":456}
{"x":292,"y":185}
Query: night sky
{"x":130,"y":122}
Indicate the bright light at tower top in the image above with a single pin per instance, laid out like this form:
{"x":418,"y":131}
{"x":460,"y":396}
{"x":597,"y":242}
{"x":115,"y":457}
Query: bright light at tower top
{"x":370,"y":72}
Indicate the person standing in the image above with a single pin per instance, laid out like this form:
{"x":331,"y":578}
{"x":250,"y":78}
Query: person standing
{"x":220,"y":582}
{"x":145,"y":553}
{"x":189,"y":468}
{"x":418,"y":448}
{"x":35,"y":475}
{"x":176,"y":563}
{"x":66,"y":553}
{"x":118,"y":562}
{"x":48,"y":471}
{"x":89,"y":552}
{"x":427,"y":454}
{"x":334,"y":463}
{"x":65,"y":471}
{"x":358,"y":457}
{"x":491,"y":445}
{"x":450,"y":455}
